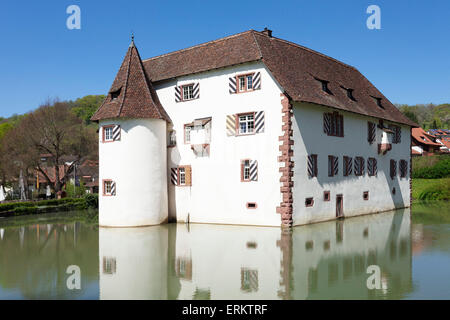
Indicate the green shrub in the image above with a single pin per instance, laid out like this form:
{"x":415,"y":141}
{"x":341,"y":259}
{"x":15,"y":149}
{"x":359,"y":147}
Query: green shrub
{"x":91,"y":200}
{"x":433,"y":167}
{"x":437,"y":191}
{"x":75,"y":192}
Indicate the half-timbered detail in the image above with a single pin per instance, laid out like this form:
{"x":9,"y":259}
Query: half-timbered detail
{"x":312,"y":165}
{"x":393,"y":168}
{"x":333,"y":166}
{"x":359,"y":166}
{"x":159,"y":135}
{"x":403,"y":167}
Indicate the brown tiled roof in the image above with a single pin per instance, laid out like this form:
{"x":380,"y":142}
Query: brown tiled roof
{"x":137,"y":98}
{"x":296,"y":68}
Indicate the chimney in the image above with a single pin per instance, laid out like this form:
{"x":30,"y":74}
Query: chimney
{"x":267,"y":31}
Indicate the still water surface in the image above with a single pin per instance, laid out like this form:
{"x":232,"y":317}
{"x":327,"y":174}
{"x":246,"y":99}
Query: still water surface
{"x":322,"y":261}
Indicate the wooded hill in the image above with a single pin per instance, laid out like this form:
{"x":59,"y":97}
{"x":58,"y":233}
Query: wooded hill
{"x":428,"y":116}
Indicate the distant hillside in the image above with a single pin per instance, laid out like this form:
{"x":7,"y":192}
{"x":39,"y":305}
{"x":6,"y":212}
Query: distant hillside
{"x":428,"y":116}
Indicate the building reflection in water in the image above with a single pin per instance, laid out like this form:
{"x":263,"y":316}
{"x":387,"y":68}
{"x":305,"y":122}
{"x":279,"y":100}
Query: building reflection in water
{"x":327,"y":260}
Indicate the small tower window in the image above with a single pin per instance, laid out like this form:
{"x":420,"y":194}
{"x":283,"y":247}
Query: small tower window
{"x":115,"y":94}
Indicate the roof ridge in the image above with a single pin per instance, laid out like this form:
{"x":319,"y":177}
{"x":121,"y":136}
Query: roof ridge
{"x":125,"y":85}
{"x":307,"y":49}
{"x":199,"y":45}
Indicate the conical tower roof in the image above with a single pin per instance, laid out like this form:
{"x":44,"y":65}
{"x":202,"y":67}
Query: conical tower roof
{"x":131,"y":95}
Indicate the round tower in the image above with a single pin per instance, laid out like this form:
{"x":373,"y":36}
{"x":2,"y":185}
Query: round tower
{"x":132,"y":150}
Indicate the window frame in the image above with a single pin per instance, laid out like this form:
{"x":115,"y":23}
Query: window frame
{"x":238,"y":83}
{"x":171,"y":143}
{"x":109,"y":126}
{"x":326,"y":196}
{"x":336,"y":121}
{"x":361,"y":166}
{"x":184,"y":133}
{"x":238,"y":123}
{"x":311,"y":202}
{"x":375,"y":166}
{"x":104,"y":182}
{"x":184,"y":167}
{"x":182,"y":91}
{"x":243,"y":170}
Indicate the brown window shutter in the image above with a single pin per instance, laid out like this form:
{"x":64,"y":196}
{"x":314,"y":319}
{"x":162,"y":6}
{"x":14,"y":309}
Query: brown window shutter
{"x":188,"y":171}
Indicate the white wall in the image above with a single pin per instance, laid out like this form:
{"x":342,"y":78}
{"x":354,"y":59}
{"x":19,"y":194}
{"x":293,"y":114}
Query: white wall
{"x":217,"y":195}
{"x":310,"y":139}
{"x":138,"y":165}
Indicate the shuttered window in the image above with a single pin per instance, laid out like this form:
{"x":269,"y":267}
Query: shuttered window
{"x":403,"y":168}
{"x":181,"y":176}
{"x":109,"y":188}
{"x":333,"y":124}
{"x":245,"y":123}
{"x":348,"y":166}
{"x":397,"y":134}
{"x":393,"y":168}
{"x":249,"y":170}
{"x":359,"y":166}
{"x":372,"y":167}
{"x":111,"y":133}
{"x":312,"y":165}
{"x":245,"y":82}
{"x":187,"y":92}
{"x":333,"y":166}
{"x":371,"y":129}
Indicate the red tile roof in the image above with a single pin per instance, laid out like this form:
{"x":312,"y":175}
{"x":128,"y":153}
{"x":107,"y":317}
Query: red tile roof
{"x":136,"y":96}
{"x":423,"y":137}
{"x":296,"y":68}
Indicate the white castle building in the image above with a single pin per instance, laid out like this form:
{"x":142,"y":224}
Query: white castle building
{"x":248,"y":129}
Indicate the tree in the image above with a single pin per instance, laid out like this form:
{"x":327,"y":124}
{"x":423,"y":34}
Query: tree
{"x":85,"y":107}
{"x":51,"y":129}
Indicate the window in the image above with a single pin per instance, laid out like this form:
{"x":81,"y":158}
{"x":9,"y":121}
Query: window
{"x":246,"y":170}
{"x":115,"y":94}
{"x":107,"y":133}
{"x":246,"y":123}
{"x":249,"y":280}
{"x":349,"y":93}
{"x":324,"y":84}
{"x":109,"y":188}
{"x":187,"y":133}
{"x":393,"y":168}
{"x":371,"y":132}
{"x":251,"y":205}
{"x":333,"y":163}
{"x":397,"y":138}
{"x":372,"y":167}
{"x":348,"y":166}
{"x":109,"y":265}
{"x":182,"y":174}
{"x":403,"y":168}
{"x":359,"y":166}
{"x":312,"y":165}
{"x":309,"y":202}
{"x":366,"y":195}
{"x":172,"y":138}
{"x":188,"y":92}
{"x":378,"y":101}
{"x":333,"y":124}
{"x":245,"y":82}
{"x":326,"y":196}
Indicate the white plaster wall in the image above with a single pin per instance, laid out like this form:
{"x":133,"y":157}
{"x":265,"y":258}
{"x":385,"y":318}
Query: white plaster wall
{"x":217,"y":195}
{"x":310,"y":139}
{"x":138,"y":165}
{"x":141,"y":263}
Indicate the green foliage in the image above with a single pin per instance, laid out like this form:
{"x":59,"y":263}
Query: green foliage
{"x":85,"y":107}
{"x":428,"y":116}
{"x":91,"y":200}
{"x":75,"y":192}
{"x":440,"y":190}
{"x":432,"y":167}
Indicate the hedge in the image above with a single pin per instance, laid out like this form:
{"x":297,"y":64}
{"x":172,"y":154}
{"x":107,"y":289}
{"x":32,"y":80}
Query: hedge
{"x":46,"y":206}
{"x":433,"y":167}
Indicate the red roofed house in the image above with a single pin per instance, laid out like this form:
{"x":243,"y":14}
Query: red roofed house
{"x":248,"y":129}
{"x":423,"y":143}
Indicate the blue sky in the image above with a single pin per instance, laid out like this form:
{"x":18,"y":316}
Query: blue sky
{"x":408,"y":59}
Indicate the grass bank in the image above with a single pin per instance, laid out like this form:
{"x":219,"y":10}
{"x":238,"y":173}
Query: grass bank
{"x":12,"y":209}
{"x":431,"y":189}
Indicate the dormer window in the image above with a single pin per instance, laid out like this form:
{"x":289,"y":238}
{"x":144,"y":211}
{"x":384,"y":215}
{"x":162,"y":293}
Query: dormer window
{"x":349,"y":93}
{"x":324,"y":85}
{"x":378,"y":102}
{"x":115,"y":94}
